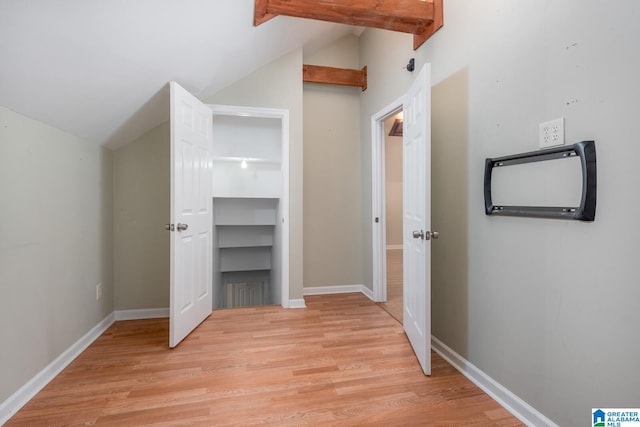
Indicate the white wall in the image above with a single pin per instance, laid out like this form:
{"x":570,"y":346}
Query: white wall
{"x":332,"y":208}
{"x":55,"y":244}
{"x":141,"y":208}
{"x":550,"y":306}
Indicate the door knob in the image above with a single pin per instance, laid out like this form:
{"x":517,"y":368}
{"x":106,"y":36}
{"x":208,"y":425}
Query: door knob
{"x":182,"y":227}
{"x":432,"y":235}
{"x":418,"y":234}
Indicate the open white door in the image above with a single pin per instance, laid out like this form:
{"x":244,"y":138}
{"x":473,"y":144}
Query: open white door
{"x":191,"y":220}
{"x":416,"y":155}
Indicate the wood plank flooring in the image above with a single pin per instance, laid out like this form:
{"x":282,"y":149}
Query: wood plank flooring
{"x":393,"y":306}
{"x":343,"y":361}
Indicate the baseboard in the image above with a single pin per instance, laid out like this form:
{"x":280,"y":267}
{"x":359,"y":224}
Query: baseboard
{"x":338,"y":289}
{"x":327,"y":290}
{"x":511,"y":402}
{"x":297,"y":303}
{"x":25,"y":393}
{"x":145,"y":313}
{"x":367,"y":292}
{"x":392,"y":247}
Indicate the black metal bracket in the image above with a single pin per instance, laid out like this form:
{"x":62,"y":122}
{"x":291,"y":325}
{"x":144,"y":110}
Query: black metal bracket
{"x":586,"y":150}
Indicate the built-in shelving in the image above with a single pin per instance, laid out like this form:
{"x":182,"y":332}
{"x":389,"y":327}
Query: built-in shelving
{"x":249,"y":205}
{"x":245,"y":236}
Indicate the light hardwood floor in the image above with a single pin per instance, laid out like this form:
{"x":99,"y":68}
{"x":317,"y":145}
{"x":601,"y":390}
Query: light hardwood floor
{"x":343,"y":361}
{"x":393,"y":306}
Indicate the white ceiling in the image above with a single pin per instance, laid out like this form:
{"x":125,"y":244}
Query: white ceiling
{"x":97,"y":68}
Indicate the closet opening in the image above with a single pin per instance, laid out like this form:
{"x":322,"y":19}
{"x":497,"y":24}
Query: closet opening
{"x":392,"y":217}
{"x":250,"y":207}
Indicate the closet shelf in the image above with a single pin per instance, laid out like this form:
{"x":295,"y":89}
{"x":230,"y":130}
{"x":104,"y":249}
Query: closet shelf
{"x":242,"y":223}
{"x":234,"y":159}
{"x":244,"y":245}
{"x":245,"y":236}
{"x":245,"y":259}
{"x":237,"y":270}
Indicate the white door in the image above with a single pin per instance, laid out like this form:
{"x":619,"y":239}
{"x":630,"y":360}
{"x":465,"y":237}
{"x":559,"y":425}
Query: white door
{"x":416,"y":179}
{"x":191,"y":219}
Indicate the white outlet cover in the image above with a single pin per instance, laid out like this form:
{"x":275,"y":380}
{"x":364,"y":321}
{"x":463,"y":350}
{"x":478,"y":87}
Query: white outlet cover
{"x":551,"y":133}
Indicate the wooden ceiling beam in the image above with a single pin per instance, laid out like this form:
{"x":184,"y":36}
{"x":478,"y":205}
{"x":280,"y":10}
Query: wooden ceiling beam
{"x":436,"y":24}
{"x":335,"y":76}
{"x":419,"y":17}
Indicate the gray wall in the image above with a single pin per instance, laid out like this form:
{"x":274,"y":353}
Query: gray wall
{"x":450,"y":210}
{"x":384,"y":53}
{"x":332,"y":208}
{"x":55,"y":244}
{"x":142,"y":197}
{"x":547,"y":308}
{"x":393,"y":185}
{"x":141,"y":208}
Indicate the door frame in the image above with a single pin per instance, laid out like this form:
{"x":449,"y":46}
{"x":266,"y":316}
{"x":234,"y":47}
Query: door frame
{"x":283,"y":116}
{"x":378,"y":198}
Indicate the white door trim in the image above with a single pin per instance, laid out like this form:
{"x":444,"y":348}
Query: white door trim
{"x":378,"y":209}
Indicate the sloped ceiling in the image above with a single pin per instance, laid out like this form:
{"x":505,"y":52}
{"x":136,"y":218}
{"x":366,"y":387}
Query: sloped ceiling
{"x":98,"y":68}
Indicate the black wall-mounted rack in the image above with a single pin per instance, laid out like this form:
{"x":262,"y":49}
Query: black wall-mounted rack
{"x":586,"y":150}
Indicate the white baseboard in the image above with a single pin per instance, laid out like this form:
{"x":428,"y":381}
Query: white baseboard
{"x":338,"y":289}
{"x":297,"y":303}
{"x":391,"y":247}
{"x":367,"y":292}
{"x":327,"y":290}
{"x":145,"y":313}
{"x":25,"y":393}
{"x":512,"y":403}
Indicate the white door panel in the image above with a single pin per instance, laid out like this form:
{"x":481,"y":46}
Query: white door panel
{"x":191,"y":198}
{"x":416,"y":157}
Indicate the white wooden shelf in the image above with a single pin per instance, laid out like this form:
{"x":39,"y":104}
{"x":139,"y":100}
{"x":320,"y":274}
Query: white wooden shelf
{"x":245,"y":211}
{"x":245,"y":259}
{"x":233,"y":159}
{"x":244,"y":236}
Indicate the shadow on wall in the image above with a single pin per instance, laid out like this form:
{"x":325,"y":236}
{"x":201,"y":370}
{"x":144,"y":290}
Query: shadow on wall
{"x":449,"y":211}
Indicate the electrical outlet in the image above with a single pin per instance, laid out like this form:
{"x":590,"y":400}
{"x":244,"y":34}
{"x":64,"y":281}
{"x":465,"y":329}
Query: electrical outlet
{"x":552,"y":133}
{"x":98,"y":291}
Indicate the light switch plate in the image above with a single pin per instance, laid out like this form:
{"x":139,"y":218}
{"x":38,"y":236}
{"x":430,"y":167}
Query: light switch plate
{"x":552,"y":133}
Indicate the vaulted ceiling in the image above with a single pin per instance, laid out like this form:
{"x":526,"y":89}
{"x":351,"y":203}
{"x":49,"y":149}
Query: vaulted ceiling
{"x":94,"y":68}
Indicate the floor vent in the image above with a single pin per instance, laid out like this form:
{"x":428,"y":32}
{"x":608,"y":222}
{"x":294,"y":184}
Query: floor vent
{"x":244,"y":294}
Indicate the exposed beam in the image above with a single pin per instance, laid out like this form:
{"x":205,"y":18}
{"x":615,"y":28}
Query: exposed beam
{"x":436,"y":24}
{"x":418,"y":17}
{"x":335,"y":76}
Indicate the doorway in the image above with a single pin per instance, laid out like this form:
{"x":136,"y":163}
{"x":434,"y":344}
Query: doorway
{"x":393,"y":126}
{"x":416,"y":212}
